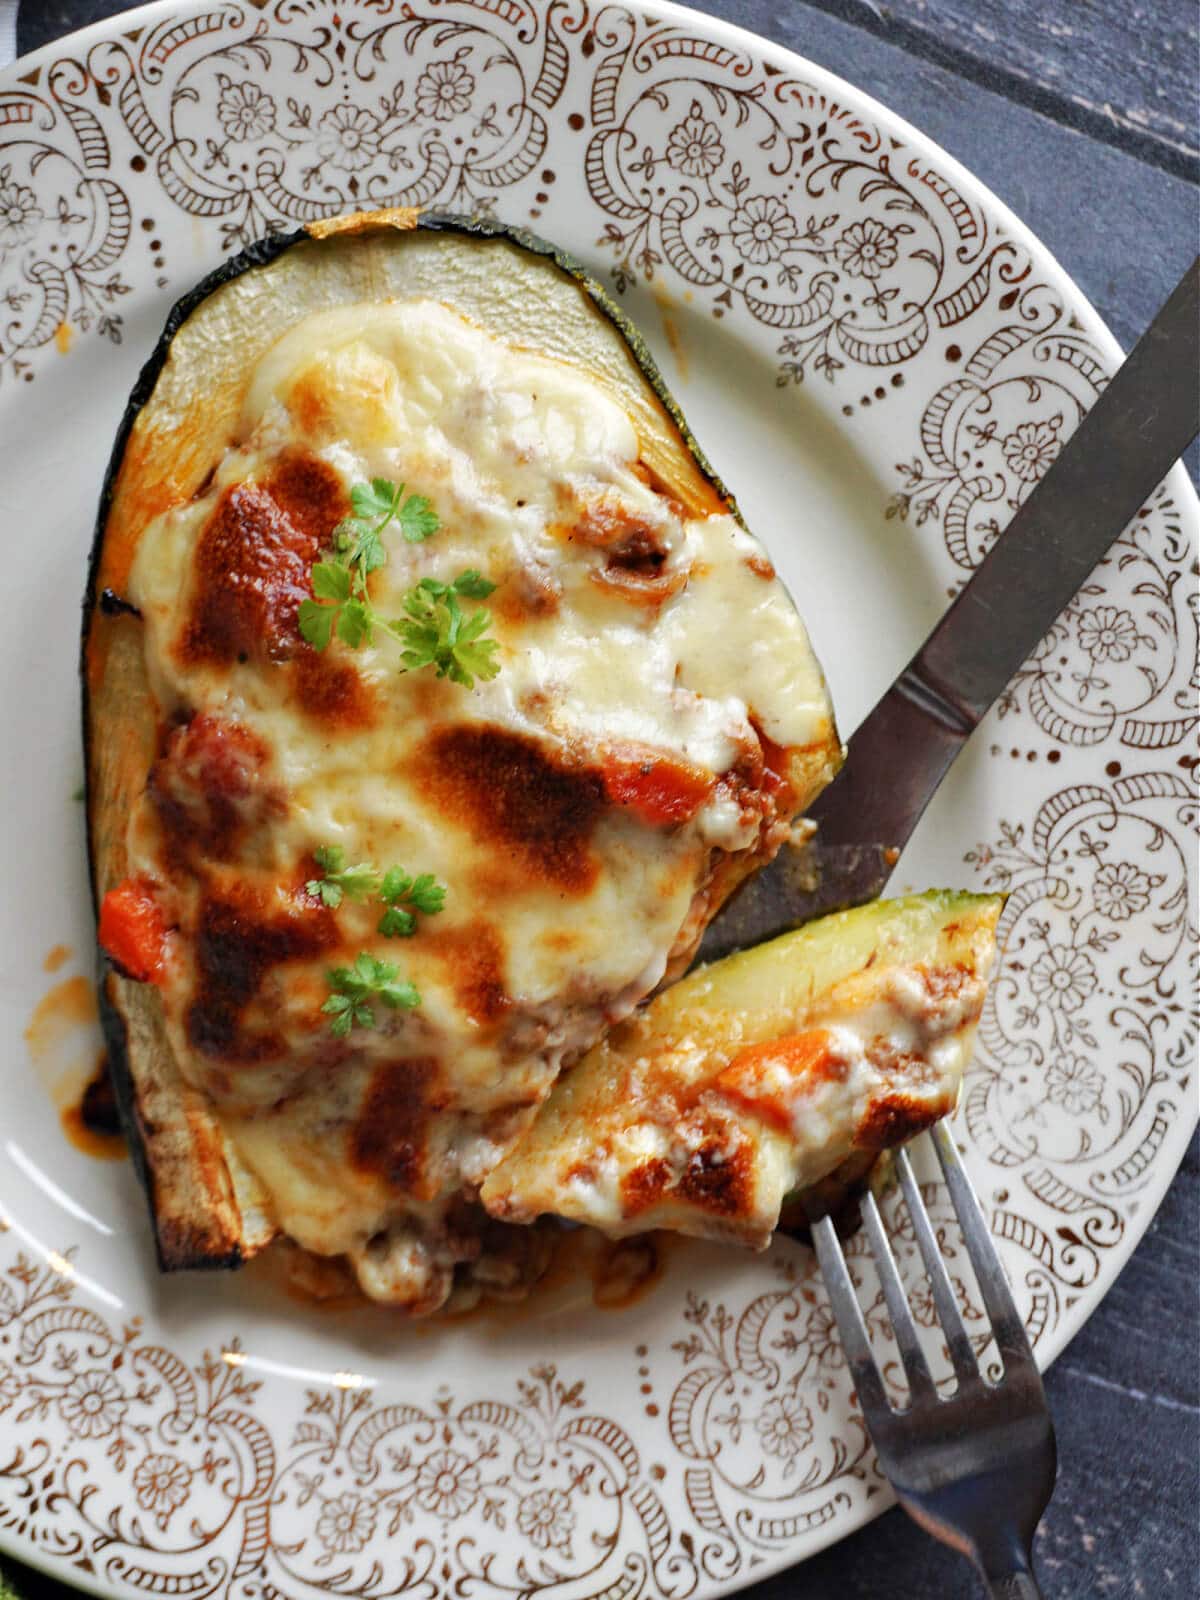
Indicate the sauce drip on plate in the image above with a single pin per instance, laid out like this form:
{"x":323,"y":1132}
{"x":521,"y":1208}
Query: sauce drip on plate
{"x":64,"y":1046}
{"x":91,"y":1122}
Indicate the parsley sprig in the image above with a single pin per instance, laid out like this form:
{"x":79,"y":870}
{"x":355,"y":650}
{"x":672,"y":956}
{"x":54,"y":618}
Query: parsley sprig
{"x":437,"y":633}
{"x":434,"y":631}
{"x":337,"y":880}
{"x":375,"y":505}
{"x":358,"y":551}
{"x":400,"y":892}
{"x":356,"y":988}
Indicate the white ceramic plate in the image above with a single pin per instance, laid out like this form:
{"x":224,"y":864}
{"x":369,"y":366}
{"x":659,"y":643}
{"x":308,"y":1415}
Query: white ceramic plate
{"x":881,"y":361}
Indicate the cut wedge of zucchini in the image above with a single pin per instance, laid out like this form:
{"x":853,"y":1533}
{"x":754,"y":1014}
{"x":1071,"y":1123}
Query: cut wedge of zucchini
{"x":756,"y":1078}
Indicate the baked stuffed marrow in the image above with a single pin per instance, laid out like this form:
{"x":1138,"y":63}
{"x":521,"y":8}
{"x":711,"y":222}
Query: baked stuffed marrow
{"x":436,"y":698}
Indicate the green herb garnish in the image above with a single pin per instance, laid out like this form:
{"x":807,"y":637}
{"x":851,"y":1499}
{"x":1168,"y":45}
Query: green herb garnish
{"x":358,"y":550}
{"x":375,"y":505}
{"x":337,"y":880}
{"x":435,"y":631}
{"x":355,"y":988}
{"x":399,"y":892}
{"x":332,"y":580}
{"x":402,"y":894}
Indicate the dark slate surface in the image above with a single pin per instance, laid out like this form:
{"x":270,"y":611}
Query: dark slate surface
{"x":1082,"y":116}
{"x":1120,"y":71}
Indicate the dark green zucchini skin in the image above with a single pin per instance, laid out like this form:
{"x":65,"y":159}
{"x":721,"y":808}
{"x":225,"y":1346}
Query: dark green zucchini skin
{"x":174,"y":1254}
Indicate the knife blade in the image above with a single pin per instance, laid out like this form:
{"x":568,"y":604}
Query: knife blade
{"x":1142,"y":422}
{"x":805,"y":880}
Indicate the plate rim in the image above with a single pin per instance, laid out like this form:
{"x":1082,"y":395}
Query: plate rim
{"x":1178,"y":481}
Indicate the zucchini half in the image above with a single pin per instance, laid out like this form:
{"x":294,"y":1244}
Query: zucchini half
{"x":182,"y":415}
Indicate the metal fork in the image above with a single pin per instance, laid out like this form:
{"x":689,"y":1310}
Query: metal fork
{"x":977,"y":1469}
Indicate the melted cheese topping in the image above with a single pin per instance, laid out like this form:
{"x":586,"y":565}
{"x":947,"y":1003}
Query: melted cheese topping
{"x":626,"y":631}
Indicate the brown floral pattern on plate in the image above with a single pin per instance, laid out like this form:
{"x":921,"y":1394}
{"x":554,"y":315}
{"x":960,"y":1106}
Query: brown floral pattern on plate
{"x":761,"y":194}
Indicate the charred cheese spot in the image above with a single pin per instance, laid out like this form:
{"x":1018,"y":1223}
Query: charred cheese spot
{"x":893,"y":1118}
{"x":388,"y":1138}
{"x":718,"y":1180}
{"x":642,"y":1187}
{"x":252,"y":560}
{"x":516,"y":795}
{"x":309,"y":493}
{"x":237,"y":942}
{"x":713,"y":1179}
{"x":760,"y":567}
{"x":472,"y":958}
{"x":330,"y":690}
{"x":251,"y":573}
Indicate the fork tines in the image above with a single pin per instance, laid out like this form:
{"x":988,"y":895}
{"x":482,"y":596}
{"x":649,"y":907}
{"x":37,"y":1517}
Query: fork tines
{"x":993,"y":1286}
{"x":977,"y":1467}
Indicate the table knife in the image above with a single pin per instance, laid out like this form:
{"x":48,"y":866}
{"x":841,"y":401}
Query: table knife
{"x":1143,"y":421}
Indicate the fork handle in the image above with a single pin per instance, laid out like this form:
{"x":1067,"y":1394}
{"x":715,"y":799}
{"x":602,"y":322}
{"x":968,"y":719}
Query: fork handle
{"x":1017,"y":1586}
